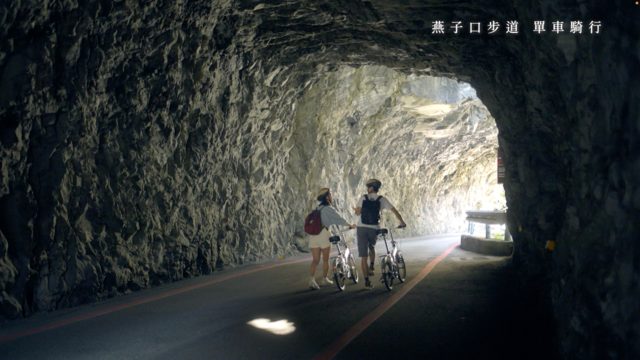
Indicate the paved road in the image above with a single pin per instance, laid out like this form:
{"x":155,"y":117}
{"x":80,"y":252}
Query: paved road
{"x":464,"y":308}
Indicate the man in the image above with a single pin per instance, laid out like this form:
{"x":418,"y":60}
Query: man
{"x":368,"y":208}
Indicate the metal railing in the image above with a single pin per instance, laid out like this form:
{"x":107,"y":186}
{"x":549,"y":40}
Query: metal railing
{"x":488,"y":218}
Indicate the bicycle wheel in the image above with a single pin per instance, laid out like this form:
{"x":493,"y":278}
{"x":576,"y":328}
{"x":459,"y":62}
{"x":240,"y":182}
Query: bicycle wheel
{"x":339,"y":276}
{"x":354,"y":270}
{"x":402,"y":269}
{"x":387,"y":273}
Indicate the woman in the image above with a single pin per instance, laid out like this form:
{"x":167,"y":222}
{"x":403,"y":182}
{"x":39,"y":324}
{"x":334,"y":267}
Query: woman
{"x":319,"y":244}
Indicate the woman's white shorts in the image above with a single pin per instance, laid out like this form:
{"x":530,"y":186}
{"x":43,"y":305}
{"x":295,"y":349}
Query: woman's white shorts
{"x":321,"y":240}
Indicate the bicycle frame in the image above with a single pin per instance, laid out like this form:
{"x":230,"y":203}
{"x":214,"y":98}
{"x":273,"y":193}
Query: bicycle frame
{"x":394,"y":249}
{"x":390,"y":255}
{"x":341,"y":264}
{"x":389,"y":260}
{"x":342,"y":257}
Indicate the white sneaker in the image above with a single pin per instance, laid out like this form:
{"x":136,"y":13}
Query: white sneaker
{"x":326,"y":281}
{"x":313,"y":285}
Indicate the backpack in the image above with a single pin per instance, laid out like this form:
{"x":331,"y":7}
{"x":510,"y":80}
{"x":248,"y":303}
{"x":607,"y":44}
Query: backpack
{"x":313,"y":223}
{"x":370,"y":211}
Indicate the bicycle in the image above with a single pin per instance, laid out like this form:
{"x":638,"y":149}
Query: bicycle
{"x":343,"y":265}
{"x":392,"y":264}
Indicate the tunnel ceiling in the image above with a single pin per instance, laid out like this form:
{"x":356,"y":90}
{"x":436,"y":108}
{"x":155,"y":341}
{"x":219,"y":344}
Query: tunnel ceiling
{"x":147,"y":141}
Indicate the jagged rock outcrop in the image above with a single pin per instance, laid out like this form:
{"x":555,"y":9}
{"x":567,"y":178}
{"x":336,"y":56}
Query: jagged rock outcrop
{"x":142,"y":154}
{"x":436,"y":156}
{"x":147,"y":141}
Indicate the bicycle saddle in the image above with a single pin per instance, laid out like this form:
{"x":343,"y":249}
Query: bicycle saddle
{"x":334,"y":239}
{"x":382,"y":231}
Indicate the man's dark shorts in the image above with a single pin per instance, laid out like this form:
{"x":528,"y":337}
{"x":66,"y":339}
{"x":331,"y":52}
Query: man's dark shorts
{"x":366,"y":240}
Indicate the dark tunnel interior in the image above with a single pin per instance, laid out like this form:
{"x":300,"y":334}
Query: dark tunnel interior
{"x":146,"y":141}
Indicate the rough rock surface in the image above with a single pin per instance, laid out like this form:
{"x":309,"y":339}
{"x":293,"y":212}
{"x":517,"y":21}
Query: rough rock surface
{"x":436,"y":159}
{"x":129,"y":130}
{"x":143,"y":156}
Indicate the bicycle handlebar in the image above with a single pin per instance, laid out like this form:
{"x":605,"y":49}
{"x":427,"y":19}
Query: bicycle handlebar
{"x":343,"y":228}
{"x":348,"y":228}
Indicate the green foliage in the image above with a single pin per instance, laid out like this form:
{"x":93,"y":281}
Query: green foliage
{"x":501,"y":203}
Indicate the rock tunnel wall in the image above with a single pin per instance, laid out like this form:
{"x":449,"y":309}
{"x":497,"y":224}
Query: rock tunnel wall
{"x":130,"y":130}
{"x":357,"y":124}
{"x":169,"y":174}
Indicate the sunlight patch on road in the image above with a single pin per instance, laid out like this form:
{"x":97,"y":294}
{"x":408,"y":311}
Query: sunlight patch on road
{"x":280,"y":327}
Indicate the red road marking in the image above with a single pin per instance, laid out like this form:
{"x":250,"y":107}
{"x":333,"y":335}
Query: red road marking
{"x":134,"y":303}
{"x":178,"y":291}
{"x":334,"y":348}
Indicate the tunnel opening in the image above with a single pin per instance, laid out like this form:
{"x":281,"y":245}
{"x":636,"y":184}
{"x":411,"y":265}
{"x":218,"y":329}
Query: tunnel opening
{"x":431,"y":140}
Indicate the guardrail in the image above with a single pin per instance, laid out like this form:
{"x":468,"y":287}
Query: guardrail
{"x":488,"y":218}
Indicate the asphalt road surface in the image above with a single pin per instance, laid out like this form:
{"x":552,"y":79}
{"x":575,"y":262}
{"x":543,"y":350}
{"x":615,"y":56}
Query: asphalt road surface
{"x":464,"y":308}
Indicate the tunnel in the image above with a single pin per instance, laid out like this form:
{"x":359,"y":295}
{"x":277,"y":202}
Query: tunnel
{"x":149,"y":141}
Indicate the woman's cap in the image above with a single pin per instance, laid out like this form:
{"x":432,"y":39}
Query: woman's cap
{"x":322,"y":193}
